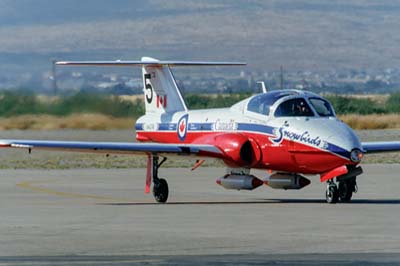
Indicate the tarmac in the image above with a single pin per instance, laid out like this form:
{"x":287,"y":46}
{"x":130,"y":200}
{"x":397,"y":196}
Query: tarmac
{"x":103,"y":217}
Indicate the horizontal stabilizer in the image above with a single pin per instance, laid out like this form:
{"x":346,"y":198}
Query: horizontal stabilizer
{"x":146,"y":63}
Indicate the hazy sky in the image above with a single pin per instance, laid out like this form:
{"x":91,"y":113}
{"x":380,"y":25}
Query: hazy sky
{"x":300,"y":34}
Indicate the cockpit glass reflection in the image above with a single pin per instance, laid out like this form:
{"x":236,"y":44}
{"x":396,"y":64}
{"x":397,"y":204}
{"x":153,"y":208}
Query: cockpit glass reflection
{"x":294,"y":107}
{"x":322,"y":107}
{"x":261,"y":103}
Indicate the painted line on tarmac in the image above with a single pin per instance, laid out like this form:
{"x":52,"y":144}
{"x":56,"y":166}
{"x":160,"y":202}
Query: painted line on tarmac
{"x":31,"y":186}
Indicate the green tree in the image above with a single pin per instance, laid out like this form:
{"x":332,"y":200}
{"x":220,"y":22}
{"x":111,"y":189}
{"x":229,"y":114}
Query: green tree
{"x":393,"y":103}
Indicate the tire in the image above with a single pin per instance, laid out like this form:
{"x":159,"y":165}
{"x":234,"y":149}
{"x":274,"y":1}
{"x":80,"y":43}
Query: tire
{"x":160,"y":190}
{"x":345,"y":191}
{"x":332,"y":194}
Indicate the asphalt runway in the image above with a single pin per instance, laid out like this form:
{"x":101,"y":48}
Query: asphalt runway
{"x":102,"y":217}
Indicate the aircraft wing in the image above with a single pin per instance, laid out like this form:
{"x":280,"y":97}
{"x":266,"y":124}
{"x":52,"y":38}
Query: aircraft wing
{"x":381,"y":146}
{"x":115,"y":147}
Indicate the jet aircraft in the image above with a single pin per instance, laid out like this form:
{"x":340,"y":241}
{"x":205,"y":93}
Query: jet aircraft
{"x":292,"y":134}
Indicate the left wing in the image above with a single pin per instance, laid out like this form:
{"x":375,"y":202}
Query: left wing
{"x":380,"y":146}
{"x":115,"y":147}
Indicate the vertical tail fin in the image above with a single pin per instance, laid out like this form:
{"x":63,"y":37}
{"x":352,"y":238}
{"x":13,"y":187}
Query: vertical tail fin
{"x":161,"y":94}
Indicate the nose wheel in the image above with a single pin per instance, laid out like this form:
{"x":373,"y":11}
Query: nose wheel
{"x":332,"y":193}
{"x":346,"y":189}
{"x":343,"y":192}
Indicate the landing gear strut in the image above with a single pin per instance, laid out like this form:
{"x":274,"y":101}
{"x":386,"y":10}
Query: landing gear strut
{"x":160,"y":185}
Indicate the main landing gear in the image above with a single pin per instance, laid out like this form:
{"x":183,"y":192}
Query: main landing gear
{"x":343,"y":192}
{"x":160,"y":185}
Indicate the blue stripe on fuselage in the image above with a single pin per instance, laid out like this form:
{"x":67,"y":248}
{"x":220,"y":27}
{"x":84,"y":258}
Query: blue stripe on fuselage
{"x":255,"y":128}
{"x":338,"y":150}
{"x":201,"y":126}
{"x":167,"y":127}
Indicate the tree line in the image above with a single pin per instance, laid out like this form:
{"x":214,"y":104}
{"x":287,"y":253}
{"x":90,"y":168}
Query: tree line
{"x":13,"y":103}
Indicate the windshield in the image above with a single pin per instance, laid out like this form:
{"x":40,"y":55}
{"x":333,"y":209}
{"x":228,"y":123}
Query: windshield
{"x":294,"y":107}
{"x":322,"y":107}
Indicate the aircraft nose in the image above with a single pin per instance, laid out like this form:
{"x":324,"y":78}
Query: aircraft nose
{"x":343,"y":138}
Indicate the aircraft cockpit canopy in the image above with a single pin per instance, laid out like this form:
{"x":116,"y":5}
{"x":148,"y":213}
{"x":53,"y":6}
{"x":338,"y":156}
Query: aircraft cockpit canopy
{"x":261,"y":103}
{"x":300,"y":106}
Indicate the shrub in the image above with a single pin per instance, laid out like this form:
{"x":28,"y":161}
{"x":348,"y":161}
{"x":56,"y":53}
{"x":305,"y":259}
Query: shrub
{"x":393,"y":103}
{"x":14,"y":103}
{"x":351,"y":105}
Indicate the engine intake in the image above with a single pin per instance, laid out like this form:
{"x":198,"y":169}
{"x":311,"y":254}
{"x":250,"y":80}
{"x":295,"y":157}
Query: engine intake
{"x":238,"y":149}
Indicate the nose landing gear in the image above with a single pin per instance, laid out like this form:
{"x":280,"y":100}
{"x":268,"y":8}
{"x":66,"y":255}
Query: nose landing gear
{"x":346,"y":189}
{"x":347,"y":185}
{"x":343,"y":192}
{"x":332,"y":192}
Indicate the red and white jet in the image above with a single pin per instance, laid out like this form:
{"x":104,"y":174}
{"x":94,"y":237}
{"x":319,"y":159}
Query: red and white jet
{"x":290,"y":133}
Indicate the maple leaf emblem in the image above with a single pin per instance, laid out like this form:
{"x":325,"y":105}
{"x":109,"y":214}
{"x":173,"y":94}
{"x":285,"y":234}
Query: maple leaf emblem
{"x":182,"y":126}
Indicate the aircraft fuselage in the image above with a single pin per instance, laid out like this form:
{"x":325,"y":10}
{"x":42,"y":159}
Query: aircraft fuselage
{"x":301,"y":144}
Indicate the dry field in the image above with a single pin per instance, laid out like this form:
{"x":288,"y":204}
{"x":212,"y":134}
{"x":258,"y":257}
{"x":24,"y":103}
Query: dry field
{"x":103,"y":122}
{"x":374,"y":121}
{"x":75,"y":121}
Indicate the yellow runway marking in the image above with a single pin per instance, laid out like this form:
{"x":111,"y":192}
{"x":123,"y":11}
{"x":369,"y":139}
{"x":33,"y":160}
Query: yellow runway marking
{"x":30,"y":185}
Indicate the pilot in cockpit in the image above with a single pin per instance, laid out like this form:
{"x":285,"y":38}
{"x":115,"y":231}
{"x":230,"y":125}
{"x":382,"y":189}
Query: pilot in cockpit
{"x":302,"y":109}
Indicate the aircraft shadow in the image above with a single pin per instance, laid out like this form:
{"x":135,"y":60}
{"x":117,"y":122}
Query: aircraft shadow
{"x":261,"y":201}
{"x":328,"y":259}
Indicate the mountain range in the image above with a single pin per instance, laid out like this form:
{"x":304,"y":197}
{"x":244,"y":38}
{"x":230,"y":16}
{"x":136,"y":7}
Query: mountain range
{"x":298,"y":34}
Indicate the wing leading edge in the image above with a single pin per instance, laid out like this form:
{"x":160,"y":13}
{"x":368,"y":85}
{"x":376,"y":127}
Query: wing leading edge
{"x":115,"y":147}
{"x":381,"y":146}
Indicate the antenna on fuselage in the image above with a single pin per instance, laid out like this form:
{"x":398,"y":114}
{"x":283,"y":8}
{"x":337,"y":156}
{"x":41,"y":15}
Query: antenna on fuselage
{"x":263,"y":87}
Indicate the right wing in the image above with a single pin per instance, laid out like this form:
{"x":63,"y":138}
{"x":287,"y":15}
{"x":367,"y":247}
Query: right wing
{"x":380,"y":146}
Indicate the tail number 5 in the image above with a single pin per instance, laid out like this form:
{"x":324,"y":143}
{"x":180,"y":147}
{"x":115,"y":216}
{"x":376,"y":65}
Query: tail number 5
{"x":148,"y":88}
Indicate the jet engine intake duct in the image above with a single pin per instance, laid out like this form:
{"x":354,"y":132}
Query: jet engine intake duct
{"x":246,"y":153}
{"x":239,"y":150}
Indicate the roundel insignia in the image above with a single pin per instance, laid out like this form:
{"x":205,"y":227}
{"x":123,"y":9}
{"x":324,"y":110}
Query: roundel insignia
{"x":182,"y":127}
